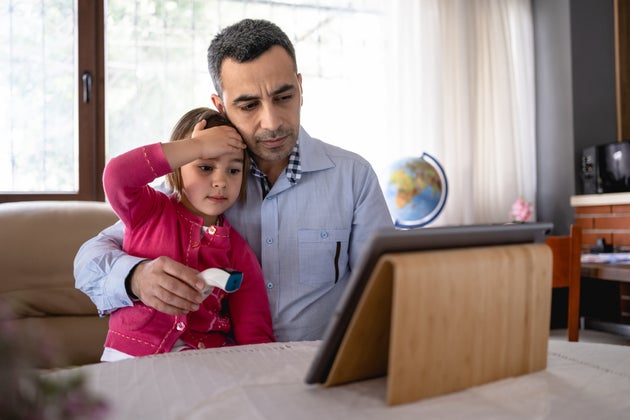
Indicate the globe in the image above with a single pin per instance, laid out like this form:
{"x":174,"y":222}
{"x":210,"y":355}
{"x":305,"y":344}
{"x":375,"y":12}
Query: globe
{"x":416,"y":191}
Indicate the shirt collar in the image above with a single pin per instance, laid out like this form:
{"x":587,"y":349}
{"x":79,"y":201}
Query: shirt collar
{"x":293,"y":171}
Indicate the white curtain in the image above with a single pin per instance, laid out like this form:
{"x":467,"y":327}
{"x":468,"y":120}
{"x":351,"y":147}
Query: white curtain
{"x":461,"y":88}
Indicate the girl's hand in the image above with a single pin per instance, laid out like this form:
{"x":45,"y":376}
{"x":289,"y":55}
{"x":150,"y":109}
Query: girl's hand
{"x":218,"y":140}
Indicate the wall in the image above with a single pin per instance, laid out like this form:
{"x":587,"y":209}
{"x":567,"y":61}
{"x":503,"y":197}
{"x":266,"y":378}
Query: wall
{"x":575,"y":96}
{"x":575,"y":108}
{"x":554,"y":113}
{"x":593,"y":65}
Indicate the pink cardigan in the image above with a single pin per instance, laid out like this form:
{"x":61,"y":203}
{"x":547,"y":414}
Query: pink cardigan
{"x":157,"y":224}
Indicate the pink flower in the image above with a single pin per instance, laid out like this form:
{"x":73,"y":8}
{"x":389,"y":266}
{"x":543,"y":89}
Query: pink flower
{"x":521,"y":210}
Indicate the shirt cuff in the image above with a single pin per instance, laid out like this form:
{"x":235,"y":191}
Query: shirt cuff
{"x":116,"y":288}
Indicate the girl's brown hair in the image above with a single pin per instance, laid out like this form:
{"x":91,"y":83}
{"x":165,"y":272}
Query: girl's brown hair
{"x":183,"y":130}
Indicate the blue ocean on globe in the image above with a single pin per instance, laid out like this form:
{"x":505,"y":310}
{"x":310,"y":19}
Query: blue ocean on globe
{"x":416,"y":191}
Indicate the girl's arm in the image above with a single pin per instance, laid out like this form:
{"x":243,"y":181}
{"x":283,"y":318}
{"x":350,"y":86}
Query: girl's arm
{"x":204,"y":144}
{"x":126,"y":177}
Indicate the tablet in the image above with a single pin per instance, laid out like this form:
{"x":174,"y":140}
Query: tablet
{"x":388,"y":241}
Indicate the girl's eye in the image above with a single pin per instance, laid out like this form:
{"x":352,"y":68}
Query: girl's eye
{"x":235,"y":171}
{"x":205,"y":168}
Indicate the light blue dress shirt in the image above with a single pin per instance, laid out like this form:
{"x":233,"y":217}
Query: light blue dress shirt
{"x":308,"y":236}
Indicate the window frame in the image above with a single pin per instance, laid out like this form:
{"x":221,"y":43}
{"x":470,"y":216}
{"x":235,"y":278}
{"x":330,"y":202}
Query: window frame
{"x":91,"y":115}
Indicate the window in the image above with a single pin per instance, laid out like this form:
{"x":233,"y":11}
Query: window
{"x":84,"y":85}
{"x":39,"y":115}
{"x":39,"y":62}
{"x":50,"y":135}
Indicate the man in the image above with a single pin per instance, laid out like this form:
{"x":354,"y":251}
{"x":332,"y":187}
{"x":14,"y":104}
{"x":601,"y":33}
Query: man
{"x":310,"y":205}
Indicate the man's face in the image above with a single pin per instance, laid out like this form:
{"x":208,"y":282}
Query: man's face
{"x":262,"y":98}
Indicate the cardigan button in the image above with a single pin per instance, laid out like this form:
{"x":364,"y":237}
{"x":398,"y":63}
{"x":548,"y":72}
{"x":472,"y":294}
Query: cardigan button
{"x":180,"y":326}
{"x":201,"y":346}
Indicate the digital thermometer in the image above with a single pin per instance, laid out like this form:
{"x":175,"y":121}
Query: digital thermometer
{"x":225,"y":279}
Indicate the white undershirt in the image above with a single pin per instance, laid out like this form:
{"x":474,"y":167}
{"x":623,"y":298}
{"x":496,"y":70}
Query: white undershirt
{"x":113,"y":355}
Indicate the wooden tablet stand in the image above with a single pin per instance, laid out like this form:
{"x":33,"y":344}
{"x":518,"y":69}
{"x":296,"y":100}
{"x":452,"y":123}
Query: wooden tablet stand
{"x":441,"y":321}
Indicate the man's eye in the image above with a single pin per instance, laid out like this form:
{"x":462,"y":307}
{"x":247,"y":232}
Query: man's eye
{"x":284,"y":98}
{"x":249,"y":107}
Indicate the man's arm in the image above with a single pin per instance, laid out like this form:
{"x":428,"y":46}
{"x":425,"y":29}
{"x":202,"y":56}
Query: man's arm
{"x":370,"y":213}
{"x":101,"y":267}
{"x":101,"y":270}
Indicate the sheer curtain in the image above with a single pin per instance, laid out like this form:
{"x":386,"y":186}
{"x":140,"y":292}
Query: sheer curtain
{"x":461,"y":88}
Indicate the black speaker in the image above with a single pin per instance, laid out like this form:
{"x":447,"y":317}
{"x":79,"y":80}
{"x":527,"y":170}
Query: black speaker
{"x":605,"y":168}
{"x":588,"y":171}
{"x":613,"y":167}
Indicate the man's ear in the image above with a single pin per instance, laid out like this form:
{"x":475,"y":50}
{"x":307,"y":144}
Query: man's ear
{"x":299,"y":77}
{"x":218,"y":103}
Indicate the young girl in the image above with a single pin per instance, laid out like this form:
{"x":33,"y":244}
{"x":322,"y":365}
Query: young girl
{"x":207,"y":169}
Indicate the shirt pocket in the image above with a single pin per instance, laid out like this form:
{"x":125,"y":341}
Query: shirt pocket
{"x":323,"y":255}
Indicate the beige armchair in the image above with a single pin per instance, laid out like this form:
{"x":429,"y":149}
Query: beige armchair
{"x":38,"y":243}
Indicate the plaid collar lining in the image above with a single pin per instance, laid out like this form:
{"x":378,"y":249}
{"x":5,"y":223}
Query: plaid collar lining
{"x":293,"y":170}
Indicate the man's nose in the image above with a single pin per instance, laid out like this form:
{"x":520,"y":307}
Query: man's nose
{"x":270,"y":118}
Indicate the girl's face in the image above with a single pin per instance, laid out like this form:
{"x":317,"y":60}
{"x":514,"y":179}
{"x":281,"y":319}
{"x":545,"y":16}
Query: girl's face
{"x":211,"y":186}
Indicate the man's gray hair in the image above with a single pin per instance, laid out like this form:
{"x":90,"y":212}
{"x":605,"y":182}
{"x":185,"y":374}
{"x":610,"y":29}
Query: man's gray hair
{"x":242,"y":42}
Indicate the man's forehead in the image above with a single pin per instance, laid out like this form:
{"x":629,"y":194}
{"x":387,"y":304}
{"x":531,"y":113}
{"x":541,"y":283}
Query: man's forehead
{"x":258,"y":89}
{"x":270,"y":71}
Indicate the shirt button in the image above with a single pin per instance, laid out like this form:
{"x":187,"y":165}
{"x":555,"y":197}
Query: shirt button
{"x":180,"y":326}
{"x":324,"y":235}
{"x":269,"y":241}
{"x":270,"y":285}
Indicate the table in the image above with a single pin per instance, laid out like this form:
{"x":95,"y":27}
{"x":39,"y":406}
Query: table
{"x":607,"y":271}
{"x":265,"y":381}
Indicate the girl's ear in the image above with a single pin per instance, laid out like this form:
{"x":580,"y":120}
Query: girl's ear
{"x":218,"y":103}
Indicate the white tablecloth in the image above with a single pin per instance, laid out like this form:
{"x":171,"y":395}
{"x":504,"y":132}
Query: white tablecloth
{"x":582,"y":381}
